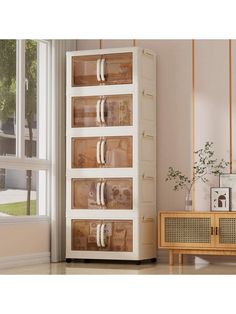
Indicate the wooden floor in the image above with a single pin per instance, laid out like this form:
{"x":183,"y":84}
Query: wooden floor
{"x":98,"y":268}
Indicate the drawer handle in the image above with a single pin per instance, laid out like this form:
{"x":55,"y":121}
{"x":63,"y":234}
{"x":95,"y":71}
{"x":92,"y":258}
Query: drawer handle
{"x":99,"y":70}
{"x":216,"y":230}
{"x":98,"y":112}
{"x":98,"y":199}
{"x":146,"y":135}
{"x":102,"y":235}
{"x":98,"y":152}
{"x":102,"y":193}
{"x":212,"y":230}
{"x":102,"y":110}
{"x":103,"y":69}
{"x":147,"y":177}
{"x":146,"y":94}
{"x":147,"y":53}
{"x":147,"y":219}
{"x":98,"y":235}
{"x":103,"y":160}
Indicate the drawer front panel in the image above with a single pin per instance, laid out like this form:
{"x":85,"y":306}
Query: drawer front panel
{"x":102,"y":193}
{"x":102,"y":235}
{"x":109,"y":152}
{"x":108,"y":69}
{"x":115,"y":110}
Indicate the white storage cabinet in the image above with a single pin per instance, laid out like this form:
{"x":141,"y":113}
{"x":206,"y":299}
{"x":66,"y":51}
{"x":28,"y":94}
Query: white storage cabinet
{"x":111,"y":154}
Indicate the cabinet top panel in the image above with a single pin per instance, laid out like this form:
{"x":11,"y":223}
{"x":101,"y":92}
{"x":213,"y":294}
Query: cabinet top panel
{"x":189,"y":213}
{"x":108,"y":51}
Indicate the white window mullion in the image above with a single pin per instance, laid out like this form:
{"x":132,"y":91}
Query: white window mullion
{"x":49,"y":124}
{"x":24,"y":164}
{"x":42,"y":101}
{"x":20,"y":100}
{"x":18,"y":111}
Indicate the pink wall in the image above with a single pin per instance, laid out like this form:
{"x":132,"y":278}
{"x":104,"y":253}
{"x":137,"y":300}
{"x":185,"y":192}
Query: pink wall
{"x":211,"y":106}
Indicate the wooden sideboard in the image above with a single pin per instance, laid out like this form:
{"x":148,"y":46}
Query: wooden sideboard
{"x":197,"y":233}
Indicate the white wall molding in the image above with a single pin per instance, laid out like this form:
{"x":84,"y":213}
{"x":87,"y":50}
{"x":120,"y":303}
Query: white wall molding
{"x":233,"y":91}
{"x":24,"y":260}
{"x":58,"y":203}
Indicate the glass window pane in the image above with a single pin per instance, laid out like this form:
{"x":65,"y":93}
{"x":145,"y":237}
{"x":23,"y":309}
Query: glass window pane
{"x":30,"y":98}
{"x":35,"y":98}
{"x":22,"y":192}
{"x":7,"y":97}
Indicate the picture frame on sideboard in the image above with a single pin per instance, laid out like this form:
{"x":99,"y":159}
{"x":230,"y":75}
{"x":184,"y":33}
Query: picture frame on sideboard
{"x":229,"y":180}
{"x":220,"y":199}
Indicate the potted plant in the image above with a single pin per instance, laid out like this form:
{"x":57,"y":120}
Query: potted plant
{"x":205,"y":164}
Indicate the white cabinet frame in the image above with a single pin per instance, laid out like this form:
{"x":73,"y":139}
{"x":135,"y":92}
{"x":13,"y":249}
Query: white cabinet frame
{"x":143,"y":171}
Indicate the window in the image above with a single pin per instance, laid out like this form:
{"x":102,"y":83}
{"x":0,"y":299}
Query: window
{"x":7,"y":97}
{"x":24,"y":132}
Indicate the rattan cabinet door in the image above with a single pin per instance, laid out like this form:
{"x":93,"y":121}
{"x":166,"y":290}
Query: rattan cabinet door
{"x":186,"y":230}
{"x":225,"y":231}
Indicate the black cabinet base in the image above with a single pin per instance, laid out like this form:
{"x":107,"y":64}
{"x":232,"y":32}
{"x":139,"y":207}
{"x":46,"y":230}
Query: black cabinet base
{"x":88,"y":260}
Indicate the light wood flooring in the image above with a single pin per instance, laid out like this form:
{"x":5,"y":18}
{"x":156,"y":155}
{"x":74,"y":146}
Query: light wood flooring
{"x":99,"y":268}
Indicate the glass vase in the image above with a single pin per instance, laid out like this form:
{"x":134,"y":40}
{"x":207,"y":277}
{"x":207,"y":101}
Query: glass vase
{"x":188,"y":202}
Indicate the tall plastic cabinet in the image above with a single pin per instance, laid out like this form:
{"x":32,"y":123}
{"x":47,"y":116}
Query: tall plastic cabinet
{"x":111,"y":154}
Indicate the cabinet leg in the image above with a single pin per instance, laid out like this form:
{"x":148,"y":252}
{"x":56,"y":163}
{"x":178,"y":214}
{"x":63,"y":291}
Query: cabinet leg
{"x":180,"y":259}
{"x":171,"y":258}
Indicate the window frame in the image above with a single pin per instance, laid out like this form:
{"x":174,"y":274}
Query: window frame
{"x":20,"y":161}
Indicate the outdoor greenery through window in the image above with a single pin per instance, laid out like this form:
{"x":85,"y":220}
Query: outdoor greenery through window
{"x":24,"y":161}
{"x":7,"y":97}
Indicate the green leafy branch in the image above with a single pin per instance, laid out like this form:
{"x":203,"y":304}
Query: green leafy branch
{"x":205,"y":164}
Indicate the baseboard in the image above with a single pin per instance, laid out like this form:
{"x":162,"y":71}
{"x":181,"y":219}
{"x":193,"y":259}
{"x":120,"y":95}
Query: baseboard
{"x":24,"y":260}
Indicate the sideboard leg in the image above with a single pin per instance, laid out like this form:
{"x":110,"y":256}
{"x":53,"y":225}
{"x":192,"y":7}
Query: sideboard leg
{"x":180,"y":259}
{"x":171,"y":258}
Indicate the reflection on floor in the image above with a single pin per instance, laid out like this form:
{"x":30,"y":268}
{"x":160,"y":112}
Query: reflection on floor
{"x":98,"y":268}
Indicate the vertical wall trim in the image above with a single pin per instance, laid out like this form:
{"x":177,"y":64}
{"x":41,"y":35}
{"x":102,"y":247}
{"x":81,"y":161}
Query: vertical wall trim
{"x":134,"y":42}
{"x":230,"y":107}
{"x":59,"y":48}
{"x":193,"y":117}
